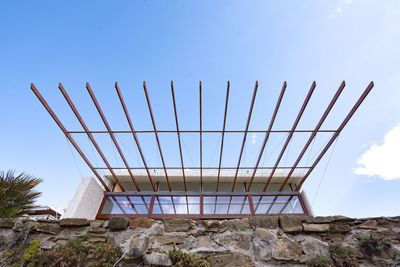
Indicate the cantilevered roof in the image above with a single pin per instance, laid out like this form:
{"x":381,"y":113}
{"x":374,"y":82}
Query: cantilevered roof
{"x":275,"y":173}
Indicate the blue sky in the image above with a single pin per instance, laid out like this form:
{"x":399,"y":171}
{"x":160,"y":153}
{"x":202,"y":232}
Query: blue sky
{"x":102,"y":42}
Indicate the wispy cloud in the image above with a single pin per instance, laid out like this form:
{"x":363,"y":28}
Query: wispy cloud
{"x":382,"y":160}
{"x":253,"y":138}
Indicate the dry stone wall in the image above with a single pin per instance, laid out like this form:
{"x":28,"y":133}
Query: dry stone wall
{"x":257,"y":241}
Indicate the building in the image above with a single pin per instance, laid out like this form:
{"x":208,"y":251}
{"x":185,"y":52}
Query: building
{"x":197,"y":191}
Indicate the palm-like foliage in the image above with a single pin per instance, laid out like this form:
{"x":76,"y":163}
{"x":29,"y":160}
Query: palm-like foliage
{"x":16,"y":193}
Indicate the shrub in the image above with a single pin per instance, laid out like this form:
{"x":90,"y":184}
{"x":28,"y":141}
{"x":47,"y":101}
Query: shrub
{"x":342,"y":257}
{"x":16,"y":193}
{"x":106,"y":255}
{"x":320,"y":261}
{"x":182,"y":259}
{"x":73,"y":254}
{"x":372,"y":245}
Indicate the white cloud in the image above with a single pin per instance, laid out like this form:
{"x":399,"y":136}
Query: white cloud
{"x":382,"y":160}
{"x":338,"y":9}
{"x":347,"y":2}
{"x":253,"y":138}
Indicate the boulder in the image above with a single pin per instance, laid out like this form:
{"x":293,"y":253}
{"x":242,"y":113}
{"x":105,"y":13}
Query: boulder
{"x":118,"y":223}
{"x":47,"y":245}
{"x":157,"y":259}
{"x":370,"y":224}
{"x":177,"y":225}
{"x":230,"y":259}
{"x":339,"y":228}
{"x":217,"y":226}
{"x":286,"y":249}
{"x":244,"y":241}
{"x":313,"y":247}
{"x":316,"y":228}
{"x":49,"y":228}
{"x":190,"y":243}
{"x":290,"y":224}
{"x":7,"y":222}
{"x":142,"y":222}
{"x":74,"y":222}
{"x":238,"y":224}
{"x":269,"y":222}
{"x":137,"y":247}
{"x":265,"y":234}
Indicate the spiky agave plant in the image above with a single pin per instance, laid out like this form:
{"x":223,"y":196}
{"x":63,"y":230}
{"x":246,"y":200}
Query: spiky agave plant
{"x":17,"y":194}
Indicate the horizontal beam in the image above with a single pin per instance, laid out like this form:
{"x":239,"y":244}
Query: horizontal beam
{"x":197,"y":168}
{"x":203,"y":131}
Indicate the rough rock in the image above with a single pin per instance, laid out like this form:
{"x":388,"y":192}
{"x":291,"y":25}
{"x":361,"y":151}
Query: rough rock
{"x":190,"y":243}
{"x":320,"y":219}
{"x":73,"y":222}
{"x":244,"y":241}
{"x":290,"y":224}
{"x":168,"y":239}
{"x":157,"y":259}
{"x":142,"y":222}
{"x":49,"y":228}
{"x":96,"y":223}
{"x":285,"y":249}
{"x":47,"y":245}
{"x":313,"y":247}
{"x":7,"y":223}
{"x":370,"y":224}
{"x":204,"y":241}
{"x":98,"y":239}
{"x":118,"y":223}
{"x":339,"y":228}
{"x":138,"y":246}
{"x":227,"y":240}
{"x":271,"y":222}
{"x":177,"y":225}
{"x":230,"y":259}
{"x":214,"y":225}
{"x":265,"y":234}
{"x":317,"y":228}
{"x":238,"y":224}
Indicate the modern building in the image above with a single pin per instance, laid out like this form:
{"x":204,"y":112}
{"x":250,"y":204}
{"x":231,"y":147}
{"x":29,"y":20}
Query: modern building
{"x":200,"y":191}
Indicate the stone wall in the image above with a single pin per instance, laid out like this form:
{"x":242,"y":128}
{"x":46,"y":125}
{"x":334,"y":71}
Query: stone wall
{"x":257,"y":241}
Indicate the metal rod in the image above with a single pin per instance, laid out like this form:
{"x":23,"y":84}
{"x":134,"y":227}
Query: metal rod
{"x":103,"y":118}
{"x":271,"y":123}
{"x":178,"y":134}
{"x":222,"y":136}
{"x":204,"y":131}
{"x":303,"y":107}
{"x":244,"y":141}
{"x":336,"y":134}
{"x":208,"y":168}
{"x":312,"y":136}
{"x":245,"y":133}
{"x":201,"y":141}
{"x":69,"y":137}
{"x":83,"y":124}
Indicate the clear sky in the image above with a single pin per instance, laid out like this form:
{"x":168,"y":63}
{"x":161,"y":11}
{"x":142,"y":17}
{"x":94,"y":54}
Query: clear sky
{"x":101,"y":42}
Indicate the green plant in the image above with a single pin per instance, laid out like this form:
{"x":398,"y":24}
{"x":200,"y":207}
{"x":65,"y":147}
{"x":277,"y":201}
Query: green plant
{"x":372,"y":245}
{"x":73,"y":254}
{"x":320,"y":261}
{"x":182,"y":259}
{"x":106,"y":255}
{"x":16,"y":193}
{"x":342,"y":257}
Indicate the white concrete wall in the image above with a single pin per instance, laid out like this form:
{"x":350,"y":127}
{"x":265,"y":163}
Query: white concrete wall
{"x":86,"y":200}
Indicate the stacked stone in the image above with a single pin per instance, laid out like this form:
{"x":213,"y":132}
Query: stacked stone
{"x":256,"y":241}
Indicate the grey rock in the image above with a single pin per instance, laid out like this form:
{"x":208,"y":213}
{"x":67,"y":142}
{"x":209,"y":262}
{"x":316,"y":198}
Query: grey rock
{"x":190,"y":243}
{"x":269,"y":222}
{"x":204,"y":241}
{"x":142,"y":222}
{"x":47,"y":245}
{"x":118,"y":223}
{"x":290,"y":224}
{"x":370,"y":224}
{"x":177,"y":225}
{"x":244,"y":241}
{"x":168,"y":239}
{"x":49,"y":228}
{"x":157,"y":259}
{"x":314,"y":227}
{"x":265,"y":234}
{"x":74,"y":222}
{"x":339,"y":228}
{"x":286,"y":249}
{"x":214,"y":225}
{"x":230,"y":259}
{"x":137,"y":246}
{"x":238,"y":224}
{"x":7,"y":222}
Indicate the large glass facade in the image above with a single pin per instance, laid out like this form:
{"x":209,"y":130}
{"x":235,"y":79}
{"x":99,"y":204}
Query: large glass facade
{"x":201,"y":205}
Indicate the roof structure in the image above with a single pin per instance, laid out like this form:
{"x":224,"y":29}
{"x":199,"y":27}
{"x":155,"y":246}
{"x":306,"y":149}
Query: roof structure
{"x":182,"y":170}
